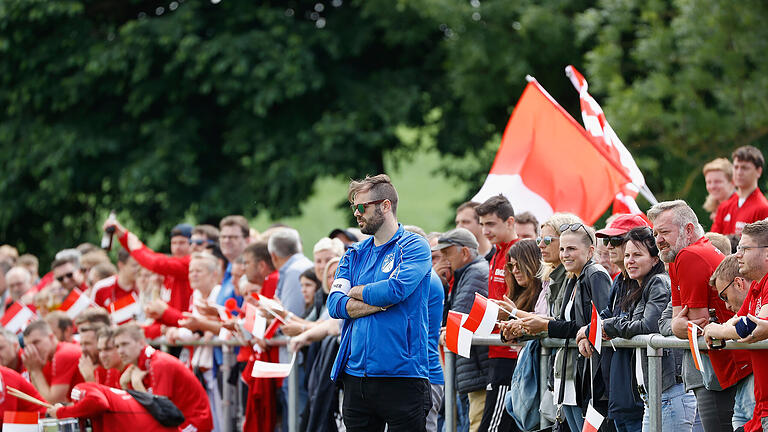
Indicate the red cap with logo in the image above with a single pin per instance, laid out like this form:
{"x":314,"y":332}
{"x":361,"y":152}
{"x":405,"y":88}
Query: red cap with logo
{"x":622,"y":225}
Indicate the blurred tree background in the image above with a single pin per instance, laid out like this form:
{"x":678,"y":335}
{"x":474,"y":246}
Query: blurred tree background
{"x":165,"y":109}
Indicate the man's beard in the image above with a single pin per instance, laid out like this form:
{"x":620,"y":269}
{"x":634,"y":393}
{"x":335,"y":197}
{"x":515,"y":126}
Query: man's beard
{"x":372,"y":224}
{"x":670,"y":255}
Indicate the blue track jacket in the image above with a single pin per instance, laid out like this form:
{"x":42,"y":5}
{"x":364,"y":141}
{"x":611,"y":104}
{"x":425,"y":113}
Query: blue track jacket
{"x":396,"y":275}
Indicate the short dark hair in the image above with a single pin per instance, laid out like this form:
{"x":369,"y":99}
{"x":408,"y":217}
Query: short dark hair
{"x":749,"y":153}
{"x":310,"y":274}
{"x":238,"y":221}
{"x":469,"y":205}
{"x":123,"y":255}
{"x":498,"y":205}
{"x":93,"y":315}
{"x":528,"y":218}
{"x":260,"y":251}
{"x":106,"y":332}
{"x":60,"y":262}
{"x":757,"y":230}
{"x":380,"y":186}
{"x":60,"y":320}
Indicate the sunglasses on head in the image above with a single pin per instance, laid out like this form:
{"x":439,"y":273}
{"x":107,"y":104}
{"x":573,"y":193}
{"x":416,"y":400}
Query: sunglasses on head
{"x":546,"y":239}
{"x":361,"y":207}
{"x":575,"y":227}
{"x":65,"y":276}
{"x":614,"y":241}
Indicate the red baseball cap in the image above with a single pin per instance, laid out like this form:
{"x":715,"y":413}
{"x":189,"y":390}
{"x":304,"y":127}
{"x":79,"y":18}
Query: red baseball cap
{"x":622,"y":225}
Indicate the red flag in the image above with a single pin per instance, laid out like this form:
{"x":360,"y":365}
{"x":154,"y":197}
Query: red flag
{"x":603,"y":136}
{"x":482,"y":316}
{"x":125,"y":309}
{"x":457,"y":338}
{"x":596,"y":329}
{"x":75,"y":303}
{"x":16,"y":317}
{"x":548,"y":163}
{"x":593,"y":420}
{"x":272,"y":329}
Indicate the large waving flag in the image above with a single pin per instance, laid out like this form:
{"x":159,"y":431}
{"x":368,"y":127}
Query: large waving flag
{"x":548,"y":163}
{"x":596,"y":124}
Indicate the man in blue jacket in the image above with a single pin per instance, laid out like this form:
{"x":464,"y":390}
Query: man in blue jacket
{"x":381,"y":290}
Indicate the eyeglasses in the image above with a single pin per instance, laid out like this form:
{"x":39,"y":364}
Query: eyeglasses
{"x":361,"y":207}
{"x":741,"y":248}
{"x":614,"y":241}
{"x":546,"y":239}
{"x":575,"y":227}
{"x":720,"y":294}
{"x":65,"y":276}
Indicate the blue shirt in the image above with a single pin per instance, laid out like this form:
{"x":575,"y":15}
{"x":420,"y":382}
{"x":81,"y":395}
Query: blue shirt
{"x":396,"y":276}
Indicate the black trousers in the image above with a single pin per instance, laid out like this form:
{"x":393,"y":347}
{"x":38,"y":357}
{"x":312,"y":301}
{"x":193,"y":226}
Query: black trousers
{"x":400,"y":403}
{"x":495,"y":416}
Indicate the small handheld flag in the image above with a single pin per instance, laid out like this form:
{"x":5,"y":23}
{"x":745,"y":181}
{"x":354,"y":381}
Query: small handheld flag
{"x":693,"y":333}
{"x":457,"y":338}
{"x":596,"y":329}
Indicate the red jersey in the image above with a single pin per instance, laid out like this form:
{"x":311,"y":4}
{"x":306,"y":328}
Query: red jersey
{"x":731,"y":218}
{"x":175,"y":269}
{"x":108,"y":291}
{"x":62,"y":369}
{"x":689,"y":274}
{"x":497,"y":288}
{"x":269,"y":286}
{"x":9,"y":377}
{"x":107,"y":377}
{"x":110,"y":409}
{"x":169,"y":377}
{"x":756,"y":298}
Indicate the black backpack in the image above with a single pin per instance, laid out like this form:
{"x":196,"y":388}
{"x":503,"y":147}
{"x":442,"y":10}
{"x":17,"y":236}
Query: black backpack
{"x":161,"y":408}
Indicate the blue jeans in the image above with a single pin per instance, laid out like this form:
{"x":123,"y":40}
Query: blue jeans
{"x":635,"y":425}
{"x":574,"y":417}
{"x":678,"y":410}
{"x":744,"y":403}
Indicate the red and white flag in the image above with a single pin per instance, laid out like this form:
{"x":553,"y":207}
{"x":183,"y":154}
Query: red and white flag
{"x":548,"y":163}
{"x":593,"y":420}
{"x":596,"y":329}
{"x":20,"y":421}
{"x":254,"y":323}
{"x":596,"y":124}
{"x":693,"y":342}
{"x":482,"y":317}
{"x":457,"y":338}
{"x":272,"y":329}
{"x":16,"y":317}
{"x":75,"y":303}
{"x":125,"y":309}
{"x":263,"y":369}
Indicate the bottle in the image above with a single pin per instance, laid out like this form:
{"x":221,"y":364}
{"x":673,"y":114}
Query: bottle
{"x":106,"y":239}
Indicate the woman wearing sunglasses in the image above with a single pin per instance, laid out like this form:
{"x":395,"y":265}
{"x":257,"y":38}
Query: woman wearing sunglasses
{"x":636,"y":311}
{"x":586,"y":283}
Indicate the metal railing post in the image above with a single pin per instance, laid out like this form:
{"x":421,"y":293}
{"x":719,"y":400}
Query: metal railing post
{"x":450,"y":391}
{"x":543,"y":376}
{"x":654,"y":385}
{"x":293,"y":398}
{"x":226,"y":404}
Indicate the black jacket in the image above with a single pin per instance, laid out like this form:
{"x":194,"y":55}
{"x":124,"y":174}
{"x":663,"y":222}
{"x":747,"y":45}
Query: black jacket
{"x":472,"y":372}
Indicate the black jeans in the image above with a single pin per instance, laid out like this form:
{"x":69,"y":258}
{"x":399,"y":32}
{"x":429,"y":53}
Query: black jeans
{"x":400,"y":403}
{"x":495,"y":416}
{"x":715,"y":408}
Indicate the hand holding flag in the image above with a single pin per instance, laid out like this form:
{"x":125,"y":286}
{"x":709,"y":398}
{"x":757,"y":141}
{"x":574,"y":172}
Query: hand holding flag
{"x":593,"y":420}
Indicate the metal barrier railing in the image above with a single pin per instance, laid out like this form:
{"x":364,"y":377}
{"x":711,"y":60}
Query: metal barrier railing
{"x":654,"y":344}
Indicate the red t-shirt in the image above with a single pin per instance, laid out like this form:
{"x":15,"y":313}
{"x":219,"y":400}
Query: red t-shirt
{"x":169,"y":377}
{"x":107,"y":377}
{"x":497,"y":288}
{"x":756,"y":298}
{"x":110,"y":409}
{"x":9,"y":377}
{"x":62,"y":369}
{"x":177,"y":292}
{"x":730,"y":218}
{"x":107,"y":291}
{"x":690,"y":275}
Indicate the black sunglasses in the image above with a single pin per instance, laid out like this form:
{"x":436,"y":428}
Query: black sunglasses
{"x":201,"y":242}
{"x":614,"y":241}
{"x":575,"y":227}
{"x":361,"y":207}
{"x":65,"y":275}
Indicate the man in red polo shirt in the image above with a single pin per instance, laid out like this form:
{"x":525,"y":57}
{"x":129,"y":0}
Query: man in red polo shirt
{"x":747,"y":204}
{"x":166,"y":376}
{"x":123,"y":284}
{"x":497,"y":218}
{"x":752,"y":264}
{"x":52,"y":365}
{"x":692,"y":259}
{"x":10,"y":378}
{"x":109,"y":409}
